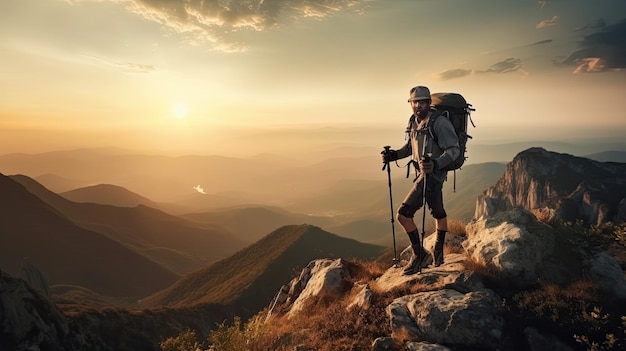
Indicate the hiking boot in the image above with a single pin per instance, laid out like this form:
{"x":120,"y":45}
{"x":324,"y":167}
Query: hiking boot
{"x":438,"y":251}
{"x":437,"y":258}
{"x":415,"y":263}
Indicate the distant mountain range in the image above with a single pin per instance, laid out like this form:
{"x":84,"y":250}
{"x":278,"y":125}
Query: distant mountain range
{"x":230,"y":261}
{"x":357,"y":208}
{"x":175,"y":243}
{"x":294,"y":182}
{"x":108,"y":194}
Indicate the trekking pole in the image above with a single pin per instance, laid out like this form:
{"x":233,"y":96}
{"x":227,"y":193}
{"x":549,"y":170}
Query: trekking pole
{"x":425,"y":158}
{"x":393,"y":230}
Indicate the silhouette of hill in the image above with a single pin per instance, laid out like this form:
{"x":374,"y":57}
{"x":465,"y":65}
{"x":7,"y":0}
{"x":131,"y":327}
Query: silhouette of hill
{"x":67,"y":253}
{"x":471,"y":181}
{"x":176,"y":243}
{"x":505,"y":152}
{"x":57,"y":183}
{"x":249,"y":279}
{"x":251,"y":223}
{"x":108,"y":194}
{"x":368,"y":201}
{"x":163,"y":178}
{"x":609,"y":156}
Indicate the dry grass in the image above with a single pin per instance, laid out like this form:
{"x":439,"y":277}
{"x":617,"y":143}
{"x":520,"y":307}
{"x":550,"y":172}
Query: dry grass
{"x":558,"y":303}
{"x":328,"y":325}
{"x":545,"y":215}
{"x":481,"y":269}
{"x":457,"y":226}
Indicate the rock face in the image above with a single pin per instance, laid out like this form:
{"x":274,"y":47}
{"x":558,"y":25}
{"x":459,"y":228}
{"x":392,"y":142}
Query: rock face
{"x":575,"y":187}
{"x":28,"y":320}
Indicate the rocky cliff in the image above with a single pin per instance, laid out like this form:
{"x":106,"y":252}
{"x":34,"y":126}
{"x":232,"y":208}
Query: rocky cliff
{"x":574,"y":188}
{"x":453,"y":307}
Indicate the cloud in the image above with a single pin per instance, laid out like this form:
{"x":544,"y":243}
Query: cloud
{"x":548,"y":22}
{"x":541,"y":42}
{"x":542,"y":3}
{"x":601,"y":51}
{"x":595,"y":25}
{"x":199,"y":189}
{"x":590,"y":64}
{"x":505,"y":66}
{"x":211,"y":21}
{"x":454,"y":73}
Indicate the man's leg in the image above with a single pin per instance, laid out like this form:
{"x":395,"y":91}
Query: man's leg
{"x":410,"y":205}
{"x":442,"y":228}
{"x":435,"y":202}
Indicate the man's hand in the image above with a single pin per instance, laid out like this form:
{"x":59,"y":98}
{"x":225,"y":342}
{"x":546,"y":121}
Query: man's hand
{"x":428,"y":166}
{"x":389,"y":155}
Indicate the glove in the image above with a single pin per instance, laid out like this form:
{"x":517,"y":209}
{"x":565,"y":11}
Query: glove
{"x":390,"y":156}
{"x":428,"y":165}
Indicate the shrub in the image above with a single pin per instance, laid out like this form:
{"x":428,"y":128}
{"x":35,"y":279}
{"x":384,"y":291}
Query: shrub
{"x":185,"y":341}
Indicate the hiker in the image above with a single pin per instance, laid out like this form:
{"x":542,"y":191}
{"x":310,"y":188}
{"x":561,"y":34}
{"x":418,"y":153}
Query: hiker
{"x":432,"y":146}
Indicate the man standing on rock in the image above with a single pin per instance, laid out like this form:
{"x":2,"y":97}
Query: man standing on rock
{"x":433,"y":145}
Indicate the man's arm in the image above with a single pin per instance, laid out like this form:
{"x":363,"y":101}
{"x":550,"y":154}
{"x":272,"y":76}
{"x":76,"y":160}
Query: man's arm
{"x":447,"y":141}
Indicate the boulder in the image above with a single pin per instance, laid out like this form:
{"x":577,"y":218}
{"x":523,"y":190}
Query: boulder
{"x":319,"y":276}
{"x":512,"y":242}
{"x":606,"y":271}
{"x":451,"y":275}
{"x":448,"y":317}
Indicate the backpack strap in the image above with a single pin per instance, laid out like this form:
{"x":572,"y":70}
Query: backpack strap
{"x":430,"y":127}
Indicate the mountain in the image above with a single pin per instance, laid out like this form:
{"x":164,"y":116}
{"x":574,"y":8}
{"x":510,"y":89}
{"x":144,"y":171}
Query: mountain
{"x":30,"y":321}
{"x":163,"y":178}
{"x":57,"y":183}
{"x":504,"y":152}
{"x":574,"y":187}
{"x":301,"y":183}
{"x":178,"y":244}
{"x":368,"y":202}
{"x":250,"y":278}
{"x":471,"y":181}
{"x":252,"y":222}
{"x":609,"y":156}
{"x":68,"y":254}
{"x":108,"y":194}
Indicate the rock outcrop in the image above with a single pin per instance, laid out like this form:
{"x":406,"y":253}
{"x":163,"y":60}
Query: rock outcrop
{"x":28,"y":320}
{"x":453,"y":309}
{"x":576,"y":188}
{"x":513,"y":243}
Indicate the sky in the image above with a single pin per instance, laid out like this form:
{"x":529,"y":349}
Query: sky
{"x":223,"y":76}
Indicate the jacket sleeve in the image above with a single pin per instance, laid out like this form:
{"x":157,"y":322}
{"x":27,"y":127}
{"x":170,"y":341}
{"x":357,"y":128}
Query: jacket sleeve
{"x":447,"y":141}
{"x":405,"y":150}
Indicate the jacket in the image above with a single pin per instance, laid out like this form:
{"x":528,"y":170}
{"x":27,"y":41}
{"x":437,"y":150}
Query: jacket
{"x":438,"y":140}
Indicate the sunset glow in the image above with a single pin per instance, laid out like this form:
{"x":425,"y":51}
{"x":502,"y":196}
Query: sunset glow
{"x":114,"y":70}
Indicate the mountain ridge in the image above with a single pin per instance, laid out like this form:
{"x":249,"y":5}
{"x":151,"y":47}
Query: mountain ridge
{"x":67,"y":253}
{"x":174,"y":242}
{"x":249,"y":278}
{"x":576,"y":188}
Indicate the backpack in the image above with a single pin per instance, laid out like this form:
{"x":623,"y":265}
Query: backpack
{"x":455,"y":108}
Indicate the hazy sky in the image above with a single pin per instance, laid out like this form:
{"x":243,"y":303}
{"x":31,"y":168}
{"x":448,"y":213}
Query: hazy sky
{"x":186,"y":74}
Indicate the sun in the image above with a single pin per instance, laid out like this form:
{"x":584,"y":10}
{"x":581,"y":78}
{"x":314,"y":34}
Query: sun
{"x":180,"y":110}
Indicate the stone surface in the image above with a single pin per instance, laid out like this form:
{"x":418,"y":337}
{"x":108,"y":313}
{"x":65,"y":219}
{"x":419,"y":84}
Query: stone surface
{"x":511,"y":242}
{"x":450,"y":318}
